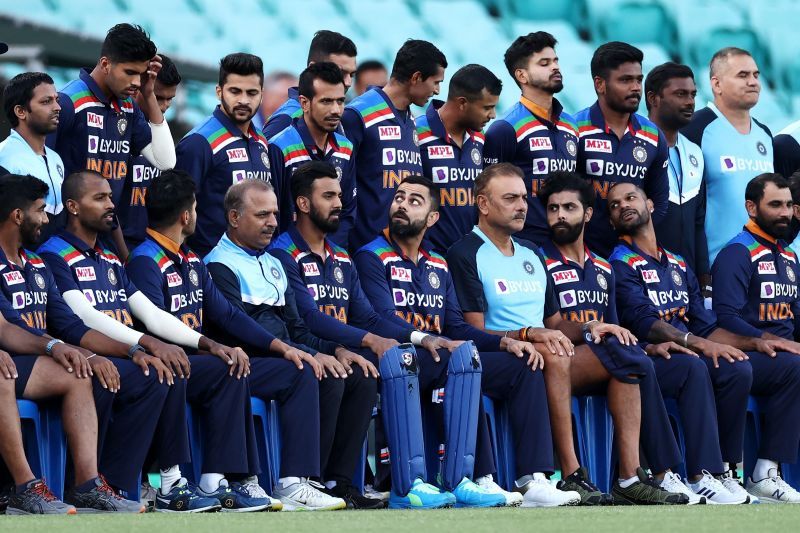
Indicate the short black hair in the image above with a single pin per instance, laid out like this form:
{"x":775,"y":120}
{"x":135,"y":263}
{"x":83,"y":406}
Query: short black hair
{"x":469,"y":82}
{"x":19,"y":91}
{"x":523,"y":47}
{"x":72,"y":188}
{"x":242,"y":64}
{"x":561,"y":181}
{"x":610,"y":56}
{"x":755,"y":187}
{"x":19,"y":192}
{"x":325,"y":71}
{"x":168,"y":196}
{"x":794,"y":185}
{"x":127,"y":43}
{"x":304,"y":177}
{"x":326,"y":43}
{"x":168,"y":75}
{"x":369,"y":65}
{"x":433,"y":189}
{"x":417,"y":56}
{"x":657,"y":78}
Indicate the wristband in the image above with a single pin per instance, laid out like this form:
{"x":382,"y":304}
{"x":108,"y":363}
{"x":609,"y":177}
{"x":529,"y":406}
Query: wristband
{"x":135,"y":348}
{"x":90,"y":356}
{"x":51,"y":344}
{"x":686,"y":340}
{"x":416,"y":337}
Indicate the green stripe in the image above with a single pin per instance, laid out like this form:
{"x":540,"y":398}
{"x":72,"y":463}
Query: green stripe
{"x":374,"y":108}
{"x":650,"y":129}
{"x":518,"y":125}
{"x":217,"y":134}
{"x":293,"y":147}
{"x":77,"y":96}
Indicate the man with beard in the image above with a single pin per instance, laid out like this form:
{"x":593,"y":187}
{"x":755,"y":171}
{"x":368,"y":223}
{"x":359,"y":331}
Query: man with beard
{"x":584,"y":283}
{"x":536,"y":134}
{"x":381,"y":127}
{"x":31,"y":107}
{"x":314,"y":137}
{"x":225,"y":149}
{"x":616,"y":143}
{"x":451,"y":145}
{"x":407,"y":283}
{"x":659,"y":298}
{"x":755,"y":294}
{"x":669,"y":94}
{"x":503,"y":287}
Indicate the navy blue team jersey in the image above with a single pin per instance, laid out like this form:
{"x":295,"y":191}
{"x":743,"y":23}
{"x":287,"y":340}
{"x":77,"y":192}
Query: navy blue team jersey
{"x":454,"y":168}
{"x":386,"y":150}
{"x":132,"y":207}
{"x":98,"y":133}
{"x":282,"y":117}
{"x":538,"y":146}
{"x":755,"y":285}
{"x":640,"y":157}
{"x":217,"y":155}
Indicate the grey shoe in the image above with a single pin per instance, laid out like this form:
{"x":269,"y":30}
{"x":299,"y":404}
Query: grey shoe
{"x":37,"y":499}
{"x":102,"y":499}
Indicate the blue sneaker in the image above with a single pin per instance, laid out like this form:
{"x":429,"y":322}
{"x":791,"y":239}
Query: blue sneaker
{"x":470,"y":494}
{"x":422,"y":496}
{"x":234,"y":499}
{"x":183,"y":498}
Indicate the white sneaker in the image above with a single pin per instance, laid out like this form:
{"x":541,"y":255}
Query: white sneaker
{"x":371,"y":493}
{"x":735,"y":487}
{"x":307,"y":495}
{"x":773,"y":489}
{"x":537,"y":491}
{"x":672,"y":483}
{"x":716,"y":493}
{"x":513,"y":499}
{"x":254,"y":490}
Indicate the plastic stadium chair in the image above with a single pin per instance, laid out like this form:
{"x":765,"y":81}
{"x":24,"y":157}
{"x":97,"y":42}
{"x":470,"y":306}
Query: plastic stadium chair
{"x":502,"y":442}
{"x":599,"y":435}
{"x":405,"y":24}
{"x":552,"y":10}
{"x":56,"y":448}
{"x":774,"y":22}
{"x":194,"y":469}
{"x":268,"y":442}
{"x":34,"y":436}
{"x":634,"y":21}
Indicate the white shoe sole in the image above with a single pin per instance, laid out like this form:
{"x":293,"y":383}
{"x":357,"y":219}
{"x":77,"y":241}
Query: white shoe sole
{"x":291,"y":506}
{"x":765,"y":499}
{"x":209,"y":509}
{"x":568,"y":503}
{"x":712,"y":502}
{"x":255,"y":509}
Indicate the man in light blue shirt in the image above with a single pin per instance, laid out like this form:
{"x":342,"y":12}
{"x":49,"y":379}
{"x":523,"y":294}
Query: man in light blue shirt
{"x":31,"y":106}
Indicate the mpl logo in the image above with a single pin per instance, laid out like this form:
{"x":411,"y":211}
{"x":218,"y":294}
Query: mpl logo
{"x":650,"y":276}
{"x":440,"y":152}
{"x":94,"y":144}
{"x":93,"y":120}
{"x":401,"y":274}
{"x":540,"y":165}
{"x":766,"y":267}
{"x":85,"y":273}
{"x":597,"y":145}
{"x":440,"y":174}
{"x":389,"y":133}
{"x":594,"y":167}
{"x":389,"y":156}
{"x":13,"y":278}
{"x":566,"y":276}
{"x":310,"y":269}
{"x":539,"y":143}
{"x":567,"y":298}
{"x":399,"y":297}
{"x":174,"y":280}
{"x":768,"y":290}
{"x":237,"y":155}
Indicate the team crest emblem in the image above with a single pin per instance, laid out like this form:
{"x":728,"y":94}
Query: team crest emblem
{"x":761,"y":148}
{"x":572,"y":148}
{"x":39,"y":279}
{"x":640,"y":154}
{"x":476,"y":156}
{"x":275,"y":273}
{"x":790,"y":273}
{"x":415,"y":137}
{"x":122,"y":125}
{"x":693,"y":160}
{"x":60,"y":171}
{"x":601,"y":280}
{"x":338,"y":274}
{"x":194,"y":278}
{"x":433,"y":279}
{"x":528,"y":266}
{"x":409,"y":361}
{"x":338,"y":173}
{"x":112,"y":278}
{"x":676,"y":278}
{"x":265,"y":159}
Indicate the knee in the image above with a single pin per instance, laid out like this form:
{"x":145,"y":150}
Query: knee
{"x":742,"y":375}
{"x":556,"y":364}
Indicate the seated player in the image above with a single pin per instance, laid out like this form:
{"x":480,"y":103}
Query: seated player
{"x":659,"y":298}
{"x":755,"y":294}
{"x":407,"y":283}
{"x":95,"y":285}
{"x":584,"y":284}
{"x":503,"y":288}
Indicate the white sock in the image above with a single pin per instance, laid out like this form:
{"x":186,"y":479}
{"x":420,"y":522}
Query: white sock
{"x":762,"y":469}
{"x":625,"y":483}
{"x":210,"y":482}
{"x":330,"y":484}
{"x":169,"y":477}
{"x":288,"y":481}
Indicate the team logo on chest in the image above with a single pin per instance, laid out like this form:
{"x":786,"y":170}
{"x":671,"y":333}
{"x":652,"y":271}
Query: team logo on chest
{"x":112,"y":278}
{"x":761,"y":148}
{"x":415,"y":137}
{"x":265,"y":159}
{"x":275,"y":273}
{"x":601,"y":281}
{"x":476,"y":156}
{"x":122,"y":125}
{"x":14,"y":277}
{"x":572,"y":148}
{"x":528,"y":267}
{"x":676,"y":278}
{"x":174,"y":279}
{"x":693,"y":160}
{"x":338,"y":172}
{"x":433,"y":279}
{"x":790,"y":273}
{"x":640,"y":154}
{"x":338,"y":274}
{"x":193,"y":277}
{"x":39,"y":279}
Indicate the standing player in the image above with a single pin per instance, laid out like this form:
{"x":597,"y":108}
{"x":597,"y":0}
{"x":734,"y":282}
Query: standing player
{"x":451,"y":145}
{"x":755,"y":281}
{"x":368,"y":74}
{"x":276,"y":84}
{"x":132,"y":210}
{"x":226,"y":148}
{"x":31,"y":107}
{"x":787,"y":150}
{"x":536,"y":134}
{"x":659,"y":298}
{"x":616,"y":143}
{"x":314,"y":137}
{"x":381,"y":127}
{"x":669,"y":94}
{"x":101,"y":127}
{"x":328,"y":46}
{"x":735,"y":146}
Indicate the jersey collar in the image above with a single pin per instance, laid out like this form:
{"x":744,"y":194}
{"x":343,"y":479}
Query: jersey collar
{"x":551,"y":250}
{"x":402,"y":116}
{"x":115,"y":103}
{"x":437,"y":126}
{"x":233,"y":129}
{"x":77,"y":243}
{"x":597,"y":118}
{"x":628,"y":240}
{"x":541,"y":113}
{"x":302,"y":245}
{"x":753,"y":228}
{"x":423,"y":254}
{"x":311,"y":146}
{"x":175,"y":250}
{"x":293,"y":94}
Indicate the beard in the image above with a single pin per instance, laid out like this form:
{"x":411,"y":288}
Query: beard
{"x":231,"y":112}
{"x":549,"y":86}
{"x":630,"y":227}
{"x":777,"y":228}
{"x":403,"y":228}
{"x":30,"y":233}
{"x":563,"y":233}
{"x":325,"y":224}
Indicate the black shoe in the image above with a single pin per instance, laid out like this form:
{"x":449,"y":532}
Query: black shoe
{"x":354,"y":499}
{"x":579,"y":482}
{"x":646,"y":491}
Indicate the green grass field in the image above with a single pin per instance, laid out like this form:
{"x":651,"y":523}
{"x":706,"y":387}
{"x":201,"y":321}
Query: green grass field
{"x":699,"y":519}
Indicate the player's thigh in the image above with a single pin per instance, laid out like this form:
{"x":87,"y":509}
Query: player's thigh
{"x":49,"y":379}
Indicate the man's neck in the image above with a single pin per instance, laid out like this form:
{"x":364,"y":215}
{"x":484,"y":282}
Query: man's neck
{"x":35,"y":141}
{"x":449,"y":116}
{"x":539,"y":97}
{"x":398,"y":94}
{"x":410,"y":245}
{"x":498,"y":236}
{"x":174,"y":233}
{"x":87,"y":235}
{"x":235,"y":240}
{"x":100,"y":79}
{"x":739,"y":118}
{"x":670,"y":134}
{"x":319,"y":135}
{"x":244,"y":127}
{"x":616,"y":121}
{"x":314,"y":237}
{"x":645,"y":239}
{"x":574,"y":251}
{"x":11,"y":243}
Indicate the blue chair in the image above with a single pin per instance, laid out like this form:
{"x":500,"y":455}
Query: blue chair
{"x":502,"y":442}
{"x":598,"y":429}
{"x":192,"y":471}
{"x":56,"y":448}
{"x":752,"y":438}
{"x":35,"y":440}
{"x":265,"y":420}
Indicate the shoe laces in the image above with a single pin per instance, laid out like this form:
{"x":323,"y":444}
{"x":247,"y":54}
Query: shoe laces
{"x":711,"y":482}
{"x":672,"y":483}
{"x":106,"y":489}
{"x":254,"y":490}
{"x":310,"y":489}
{"x":42,"y":490}
{"x":584,"y":483}
{"x":426,"y":488}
